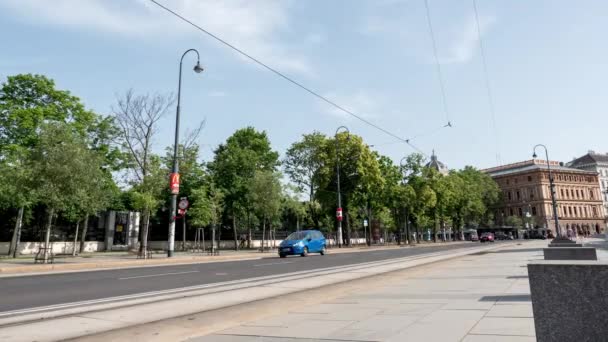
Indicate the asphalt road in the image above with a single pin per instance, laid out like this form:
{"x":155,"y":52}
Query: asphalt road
{"x":41,"y":290}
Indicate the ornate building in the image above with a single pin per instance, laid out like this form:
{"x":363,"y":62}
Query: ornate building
{"x":437,"y":165}
{"x":599,"y":163}
{"x":525,"y":187}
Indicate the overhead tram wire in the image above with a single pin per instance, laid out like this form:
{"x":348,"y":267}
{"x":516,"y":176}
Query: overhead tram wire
{"x":487,"y":83}
{"x":438,"y":64}
{"x":287,"y":78}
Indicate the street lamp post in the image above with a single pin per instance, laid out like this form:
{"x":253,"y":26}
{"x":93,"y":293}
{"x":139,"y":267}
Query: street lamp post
{"x":339,"y":210}
{"x":407,"y":226}
{"x":552,"y":188}
{"x":175,"y":170}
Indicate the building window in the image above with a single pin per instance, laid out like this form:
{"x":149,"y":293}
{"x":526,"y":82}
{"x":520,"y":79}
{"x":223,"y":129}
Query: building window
{"x":586,"y":212}
{"x":569,"y":211}
{"x":562,"y":192}
{"x":509,"y":195}
{"x":507,"y":182}
{"x":594,"y":212}
{"x":591,"y":193}
{"x":511,"y":211}
{"x":533,"y":211}
{"x":575,"y":212}
{"x":571,"y":193}
{"x":518,"y":196}
{"x":577,"y":194}
{"x":529,"y":178}
{"x":521,"y":213}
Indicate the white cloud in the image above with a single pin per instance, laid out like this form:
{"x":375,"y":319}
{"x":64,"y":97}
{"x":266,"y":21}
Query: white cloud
{"x":362,"y":103}
{"x":254,"y":26}
{"x":217,"y":93}
{"x":465,"y":42}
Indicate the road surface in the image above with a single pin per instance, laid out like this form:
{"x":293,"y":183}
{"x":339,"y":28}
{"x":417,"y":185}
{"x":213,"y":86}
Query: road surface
{"x":25,"y":292}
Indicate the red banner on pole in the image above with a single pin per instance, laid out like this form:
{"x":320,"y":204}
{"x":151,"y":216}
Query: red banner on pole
{"x":339,"y":214}
{"x":174,"y":183}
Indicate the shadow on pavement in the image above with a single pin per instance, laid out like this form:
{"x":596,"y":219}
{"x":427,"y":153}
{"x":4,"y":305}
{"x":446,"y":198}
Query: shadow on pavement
{"x":506,"y":298}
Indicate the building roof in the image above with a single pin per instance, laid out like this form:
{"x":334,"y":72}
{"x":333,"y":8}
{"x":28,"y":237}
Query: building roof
{"x":590,"y":158}
{"x":437,"y":165}
{"x":531,"y":165}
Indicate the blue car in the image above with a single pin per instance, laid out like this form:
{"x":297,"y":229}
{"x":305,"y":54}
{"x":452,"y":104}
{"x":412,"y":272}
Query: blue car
{"x":303,"y":242}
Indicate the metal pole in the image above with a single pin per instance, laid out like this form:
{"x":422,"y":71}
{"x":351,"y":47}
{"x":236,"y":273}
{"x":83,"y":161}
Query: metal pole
{"x":175,"y":169}
{"x":552,"y":188}
{"x":339,"y":232}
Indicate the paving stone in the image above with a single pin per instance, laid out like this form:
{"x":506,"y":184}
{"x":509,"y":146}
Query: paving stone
{"x":505,"y":326}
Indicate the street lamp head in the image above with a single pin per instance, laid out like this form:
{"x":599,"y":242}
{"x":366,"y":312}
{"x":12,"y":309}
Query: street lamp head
{"x":534,"y":155}
{"x":198,"y":68}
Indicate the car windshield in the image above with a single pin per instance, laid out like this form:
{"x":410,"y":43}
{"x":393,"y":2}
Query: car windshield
{"x":296,"y":236}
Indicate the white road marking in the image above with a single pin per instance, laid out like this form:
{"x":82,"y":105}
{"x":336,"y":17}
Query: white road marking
{"x":221,"y":274}
{"x":273,"y":263}
{"x":157,"y":275}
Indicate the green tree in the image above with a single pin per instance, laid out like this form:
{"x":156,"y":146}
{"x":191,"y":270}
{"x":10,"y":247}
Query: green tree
{"x":303,"y":162}
{"x":235,"y":164}
{"x":64,"y":169}
{"x":293,"y":207}
{"x":360,"y":177}
{"x":266,"y":192}
{"x":514,"y":221}
{"x":27,"y":102}
{"x":425,"y":199}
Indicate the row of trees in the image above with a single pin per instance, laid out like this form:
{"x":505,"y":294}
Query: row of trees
{"x":58,"y":157}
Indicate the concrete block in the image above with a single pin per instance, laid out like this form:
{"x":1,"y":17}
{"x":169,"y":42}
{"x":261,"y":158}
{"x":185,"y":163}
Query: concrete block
{"x":563,"y":242}
{"x":569,"y":300}
{"x":570,"y":253}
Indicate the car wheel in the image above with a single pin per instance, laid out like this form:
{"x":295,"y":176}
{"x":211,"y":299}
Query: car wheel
{"x":282,"y":255}
{"x":305,"y":252}
{"x":322,"y":252}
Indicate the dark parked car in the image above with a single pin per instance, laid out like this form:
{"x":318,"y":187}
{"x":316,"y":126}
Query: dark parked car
{"x":487,"y":237}
{"x":503,"y":236}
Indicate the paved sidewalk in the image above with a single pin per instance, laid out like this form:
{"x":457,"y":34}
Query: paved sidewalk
{"x":95,"y":261}
{"x":483,"y":297}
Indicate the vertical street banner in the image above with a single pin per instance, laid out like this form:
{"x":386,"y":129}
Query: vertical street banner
{"x":174,"y":183}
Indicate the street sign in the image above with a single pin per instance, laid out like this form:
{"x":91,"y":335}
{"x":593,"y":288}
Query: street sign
{"x":174,"y":183}
{"x":339,"y":214}
{"x":365,"y":223}
{"x":183,"y":203}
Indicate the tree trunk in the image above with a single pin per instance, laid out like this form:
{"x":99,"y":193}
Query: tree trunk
{"x":14,"y":248}
{"x":83,"y":237}
{"x":249,"y":237}
{"x":75,"y":238}
{"x":143,"y":247}
{"x":47,"y":237}
{"x":371,"y":225}
{"x":263,"y":232}
{"x":236,"y":244}
{"x":348,"y":230}
{"x":184,"y":232}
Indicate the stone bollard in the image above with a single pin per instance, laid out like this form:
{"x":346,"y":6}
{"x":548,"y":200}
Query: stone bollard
{"x":570,"y":253}
{"x":569,"y":300}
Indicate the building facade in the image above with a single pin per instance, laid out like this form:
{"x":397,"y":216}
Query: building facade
{"x":437,"y":165}
{"x":526,"y":193}
{"x":598,"y":163}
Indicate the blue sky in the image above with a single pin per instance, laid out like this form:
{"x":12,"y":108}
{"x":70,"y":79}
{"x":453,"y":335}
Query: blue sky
{"x":546,"y":62}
